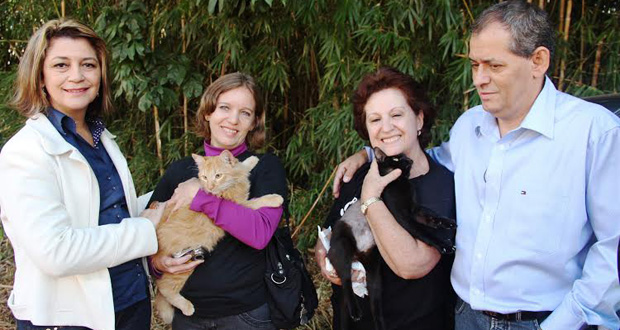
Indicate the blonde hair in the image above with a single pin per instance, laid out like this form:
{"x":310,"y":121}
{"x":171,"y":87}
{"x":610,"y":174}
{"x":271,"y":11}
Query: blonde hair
{"x":30,"y":98}
{"x":208,"y":101}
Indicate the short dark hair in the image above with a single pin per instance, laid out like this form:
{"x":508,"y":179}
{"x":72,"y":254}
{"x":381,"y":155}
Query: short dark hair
{"x":385,"y":78}
{"x":208,"y":101}
{"x":528,"y":25}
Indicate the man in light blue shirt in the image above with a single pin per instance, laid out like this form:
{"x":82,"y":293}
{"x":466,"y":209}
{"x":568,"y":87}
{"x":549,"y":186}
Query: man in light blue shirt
{"x":537,"y":176}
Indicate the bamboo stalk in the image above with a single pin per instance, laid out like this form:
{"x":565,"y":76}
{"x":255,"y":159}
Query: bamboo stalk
{"x":562,"y":8}
{"x":471,"y":16}
{"x":582,"y":43}
{"x":597,"y":63}
{"x":560,"y":30}
{"x":569,"y":8}
{"x":62,"y":8}
{"x":185,"y":119}
{"x":155,"y":109}
{"x":226,"y":58}
{"x":316,"y":201}
{"x":541,"y":4}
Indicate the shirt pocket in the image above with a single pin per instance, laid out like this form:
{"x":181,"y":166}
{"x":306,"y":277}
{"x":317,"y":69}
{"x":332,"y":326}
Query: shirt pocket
{"x":537,"y":219}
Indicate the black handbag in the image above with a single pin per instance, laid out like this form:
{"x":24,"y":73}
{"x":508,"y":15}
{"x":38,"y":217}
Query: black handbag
{"x":291,"y":294}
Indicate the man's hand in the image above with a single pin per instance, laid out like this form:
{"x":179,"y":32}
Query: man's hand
{"x":172,"y":265}
{"x":184,"y":193}
{"x":347,"y":168}
{"x":320,"y":253}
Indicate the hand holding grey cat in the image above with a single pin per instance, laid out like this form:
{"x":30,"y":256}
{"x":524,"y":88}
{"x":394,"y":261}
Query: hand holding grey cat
{"x":320,"y":253}
{"x":374,"y":183}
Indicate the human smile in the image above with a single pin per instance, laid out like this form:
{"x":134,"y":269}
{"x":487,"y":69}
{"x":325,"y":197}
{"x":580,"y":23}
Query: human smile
{"x":76,"y":90}
{"x":230,"y":131}
{"x":391,"y":139}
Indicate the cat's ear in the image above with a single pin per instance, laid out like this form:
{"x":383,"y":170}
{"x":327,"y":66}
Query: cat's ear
{"x":198,"y":159}
{"x":228,"y":157}
{"x":379,"y":154}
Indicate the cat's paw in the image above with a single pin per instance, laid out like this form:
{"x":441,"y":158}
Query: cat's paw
{"x":250,"y":162}
{"x":273,"y":200}
{"x":188,"y":309}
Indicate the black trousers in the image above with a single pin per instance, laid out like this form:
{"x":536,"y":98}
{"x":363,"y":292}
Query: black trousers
{"x":440,"y":319}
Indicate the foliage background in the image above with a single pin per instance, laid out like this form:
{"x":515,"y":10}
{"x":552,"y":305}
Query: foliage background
{"x":308,"y":55}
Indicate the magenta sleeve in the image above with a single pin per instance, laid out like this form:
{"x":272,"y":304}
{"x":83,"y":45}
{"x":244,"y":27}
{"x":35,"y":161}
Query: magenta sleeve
{"x":252,"y":227}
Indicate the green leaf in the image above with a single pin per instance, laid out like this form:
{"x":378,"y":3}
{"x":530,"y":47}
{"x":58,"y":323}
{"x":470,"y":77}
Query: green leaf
{"x":211,"y":6}
{"x":145,"y":102}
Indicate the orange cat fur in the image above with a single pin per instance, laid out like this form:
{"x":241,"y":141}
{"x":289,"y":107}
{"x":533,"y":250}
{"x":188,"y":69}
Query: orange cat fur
{"x":225,"y":177}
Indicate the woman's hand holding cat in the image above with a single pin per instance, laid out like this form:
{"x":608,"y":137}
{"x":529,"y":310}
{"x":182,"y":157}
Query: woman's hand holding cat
{"x":172,"y":265}
{"x":154,"y":214}
{"x":184,"y":193}
{"x":374,"y":183}
{"x":320,"y":253}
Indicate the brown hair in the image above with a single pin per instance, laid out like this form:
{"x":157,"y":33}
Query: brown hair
{"x":208,"y":101}
{"x":385,"y":78}
{"x":30,"y":98}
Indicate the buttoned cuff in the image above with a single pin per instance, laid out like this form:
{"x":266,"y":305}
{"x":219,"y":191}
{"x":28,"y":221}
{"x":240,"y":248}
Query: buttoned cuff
{"x":567,"y":316}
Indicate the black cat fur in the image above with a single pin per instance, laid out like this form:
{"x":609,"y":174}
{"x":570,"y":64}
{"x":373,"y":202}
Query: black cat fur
{"x":352,"y":239}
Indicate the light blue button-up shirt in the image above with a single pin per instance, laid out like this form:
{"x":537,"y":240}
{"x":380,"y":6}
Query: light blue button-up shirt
{"x":538,"y":211}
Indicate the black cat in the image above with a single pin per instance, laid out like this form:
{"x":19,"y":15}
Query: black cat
{"x":352,"y":238}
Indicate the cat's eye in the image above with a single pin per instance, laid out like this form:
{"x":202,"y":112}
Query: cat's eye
{"x":219,"y":175}
{"x":203,"y":177}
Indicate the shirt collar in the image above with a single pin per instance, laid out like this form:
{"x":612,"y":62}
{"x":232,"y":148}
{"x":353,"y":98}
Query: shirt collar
{"x":215,"y":151}
{"x":540,"y":118}
{"x":65,"y":124}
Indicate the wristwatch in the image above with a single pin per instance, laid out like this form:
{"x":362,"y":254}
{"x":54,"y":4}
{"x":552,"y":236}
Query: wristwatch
{"x":367,"y":203}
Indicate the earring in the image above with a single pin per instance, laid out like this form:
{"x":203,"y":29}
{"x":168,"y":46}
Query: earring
{"x":44,"y":91}
{"x":419,"y":132}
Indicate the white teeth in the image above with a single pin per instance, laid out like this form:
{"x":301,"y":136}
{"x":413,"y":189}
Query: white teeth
{"x":392,"y":139}
{"x":76,"y":91}
{"x":231,"y":131}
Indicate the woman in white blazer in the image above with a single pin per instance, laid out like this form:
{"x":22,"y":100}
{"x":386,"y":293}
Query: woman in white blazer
{"x":76,"y":257}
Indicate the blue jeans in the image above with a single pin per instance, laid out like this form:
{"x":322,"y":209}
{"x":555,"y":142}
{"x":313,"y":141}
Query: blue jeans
{"x":469,"y":319}
{"x":258,"y":318}
{"x":134,"y":317}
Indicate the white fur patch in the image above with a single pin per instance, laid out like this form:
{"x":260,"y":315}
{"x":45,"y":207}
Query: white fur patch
{"x":359,"y":227}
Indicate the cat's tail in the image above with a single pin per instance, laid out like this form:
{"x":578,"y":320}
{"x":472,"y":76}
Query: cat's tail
{"x":164,"y":309}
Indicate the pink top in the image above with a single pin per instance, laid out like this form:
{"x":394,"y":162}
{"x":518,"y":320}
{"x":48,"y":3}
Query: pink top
{"x":252,"y":227}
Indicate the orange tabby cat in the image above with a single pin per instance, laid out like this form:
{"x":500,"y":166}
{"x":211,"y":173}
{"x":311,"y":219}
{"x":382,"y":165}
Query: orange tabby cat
{"x":225,"y":177}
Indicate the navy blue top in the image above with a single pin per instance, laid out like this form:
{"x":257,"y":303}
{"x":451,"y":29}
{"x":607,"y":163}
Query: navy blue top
{"x":129,"y":283}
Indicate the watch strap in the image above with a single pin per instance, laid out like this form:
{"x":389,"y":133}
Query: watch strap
{"x":367,"y":203}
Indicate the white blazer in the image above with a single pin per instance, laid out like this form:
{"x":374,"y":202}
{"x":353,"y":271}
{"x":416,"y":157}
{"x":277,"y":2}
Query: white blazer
{"x":49,"y":204}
